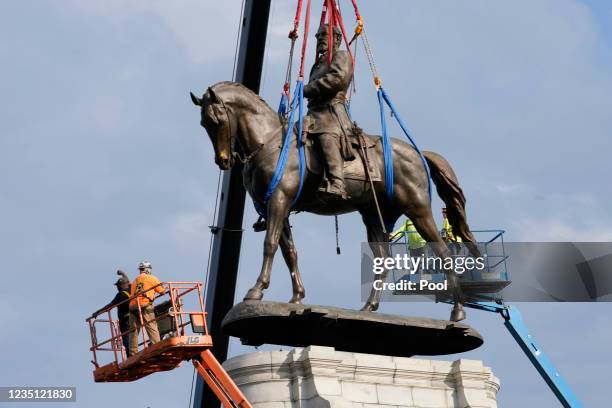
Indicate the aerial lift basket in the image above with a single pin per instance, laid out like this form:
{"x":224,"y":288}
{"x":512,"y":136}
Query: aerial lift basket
{"x":181,"y":320}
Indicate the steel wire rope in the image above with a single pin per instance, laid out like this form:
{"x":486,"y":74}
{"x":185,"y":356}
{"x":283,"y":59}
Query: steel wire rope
{"x":248,"y":209}
{"x":370,"y":56}
{"x":266,"y":57}
{"x":191,"y":391}
{"x":234,"y":65}
{"x":262,"y":85}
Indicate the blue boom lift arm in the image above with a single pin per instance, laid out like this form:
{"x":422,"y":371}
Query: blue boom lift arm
{"x":513,"y":321}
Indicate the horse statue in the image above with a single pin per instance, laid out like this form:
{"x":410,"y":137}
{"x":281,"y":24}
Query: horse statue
{"x":232,"y":114}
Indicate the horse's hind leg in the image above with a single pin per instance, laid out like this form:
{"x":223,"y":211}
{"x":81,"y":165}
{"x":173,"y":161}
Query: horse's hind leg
{"x":378,"y":240}
{"x":278,"y":210}
{"x":290,"y":254}
{"x":458,"y":220}
{"x":425,"y":225}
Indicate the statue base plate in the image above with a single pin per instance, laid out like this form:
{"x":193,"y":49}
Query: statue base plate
{"x":259,"y":322}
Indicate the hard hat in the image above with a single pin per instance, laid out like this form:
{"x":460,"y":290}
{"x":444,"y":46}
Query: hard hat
{"x":144,"y":265}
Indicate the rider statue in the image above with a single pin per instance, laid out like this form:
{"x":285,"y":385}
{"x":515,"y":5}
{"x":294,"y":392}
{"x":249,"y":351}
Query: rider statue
{"x":328,"y":117}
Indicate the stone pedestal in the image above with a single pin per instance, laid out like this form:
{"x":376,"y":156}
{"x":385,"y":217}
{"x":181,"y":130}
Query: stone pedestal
{"x":320,"y":377}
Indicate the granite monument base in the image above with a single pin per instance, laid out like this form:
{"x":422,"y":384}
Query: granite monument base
{"x":320,"y":377}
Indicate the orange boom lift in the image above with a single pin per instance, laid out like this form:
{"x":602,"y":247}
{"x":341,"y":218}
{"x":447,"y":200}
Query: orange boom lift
{"x":181,"y":320}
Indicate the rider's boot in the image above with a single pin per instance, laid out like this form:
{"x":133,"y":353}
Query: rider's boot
{"x":336,"y":187}
{"x":334,"y":165}
{"x":260,"y":225}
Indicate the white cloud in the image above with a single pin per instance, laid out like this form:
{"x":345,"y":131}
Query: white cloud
{"x":107,"y":111}
{"x":508,"y":188}
{"x":536,"y":215}
{"x":207,"y":29}
{"x":187,"y":233}
{"x":190,"y":232}
{"x":564,"y":230}
{"x":8,"y":312}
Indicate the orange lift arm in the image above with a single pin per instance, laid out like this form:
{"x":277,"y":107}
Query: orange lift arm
{"x":219,"y":381}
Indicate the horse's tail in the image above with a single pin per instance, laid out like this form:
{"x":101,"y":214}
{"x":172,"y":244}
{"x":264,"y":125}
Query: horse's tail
{"x":451,"y":193}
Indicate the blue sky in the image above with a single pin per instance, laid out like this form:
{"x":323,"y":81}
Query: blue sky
{"x":103,"y":164}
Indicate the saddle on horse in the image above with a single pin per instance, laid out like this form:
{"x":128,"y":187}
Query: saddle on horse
{"x":354,"y":149}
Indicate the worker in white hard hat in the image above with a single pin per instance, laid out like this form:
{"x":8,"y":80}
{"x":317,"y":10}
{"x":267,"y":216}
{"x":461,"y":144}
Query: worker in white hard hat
{"x":145,"y":286}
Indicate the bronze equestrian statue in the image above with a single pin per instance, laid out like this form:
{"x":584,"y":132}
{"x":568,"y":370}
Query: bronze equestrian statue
{"x":243,"y":126}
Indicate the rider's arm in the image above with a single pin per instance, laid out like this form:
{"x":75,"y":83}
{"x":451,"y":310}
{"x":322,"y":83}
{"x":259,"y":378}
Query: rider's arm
{"x":335,"y":80}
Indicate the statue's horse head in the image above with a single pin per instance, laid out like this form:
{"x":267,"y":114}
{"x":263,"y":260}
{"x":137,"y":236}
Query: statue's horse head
{"x":216,"y":118}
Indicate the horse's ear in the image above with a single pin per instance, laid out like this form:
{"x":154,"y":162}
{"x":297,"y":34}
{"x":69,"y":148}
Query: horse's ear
{"x":213,"y":96}
{"x":196,"y":101}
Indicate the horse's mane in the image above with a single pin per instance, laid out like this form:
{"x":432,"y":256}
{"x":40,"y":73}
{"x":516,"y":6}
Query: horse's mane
{"x":236,"y":93}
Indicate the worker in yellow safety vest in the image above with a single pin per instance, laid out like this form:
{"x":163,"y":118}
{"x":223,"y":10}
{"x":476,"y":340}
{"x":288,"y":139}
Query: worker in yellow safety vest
{"x":453,"y":241}
{"x":416,"y":243}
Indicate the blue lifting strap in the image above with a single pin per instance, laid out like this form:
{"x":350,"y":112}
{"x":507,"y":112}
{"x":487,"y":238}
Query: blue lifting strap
{"x":386,"y":142}
{"x":300,"y":144}
{"x":282,"y":106}
{"x":298,"y":99}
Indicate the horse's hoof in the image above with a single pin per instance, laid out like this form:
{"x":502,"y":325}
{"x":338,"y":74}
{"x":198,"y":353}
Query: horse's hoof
{"x":254,"y":294}
{"x":369,"y":307}
{"x":295,"y":301}
{"x":457,"y":315}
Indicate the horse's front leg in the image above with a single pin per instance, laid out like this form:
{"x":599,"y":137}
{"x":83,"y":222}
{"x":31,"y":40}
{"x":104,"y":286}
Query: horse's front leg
{"x":278,"y":210}
{"x":290,"y":254}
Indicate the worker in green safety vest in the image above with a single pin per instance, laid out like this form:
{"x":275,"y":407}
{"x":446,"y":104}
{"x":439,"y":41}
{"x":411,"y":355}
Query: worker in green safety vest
{"x":416,"y":243}
{"x":453,"y":241}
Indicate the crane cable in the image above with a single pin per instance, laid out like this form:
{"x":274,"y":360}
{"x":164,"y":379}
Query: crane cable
{"x":205,"y":289}
{"x":296,"y":103}
{"x":384,"y":98}
{"x":293,"y":36}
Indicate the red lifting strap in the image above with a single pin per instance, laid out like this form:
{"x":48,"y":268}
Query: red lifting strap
{"x":305,"y":41}
{"x":331,"y":21}
{"x":323,"y":13}
{"x":339,"y":22}
{"x":296,"y":21}
{"x":357,"y":15}
{"x":334,"y":18}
